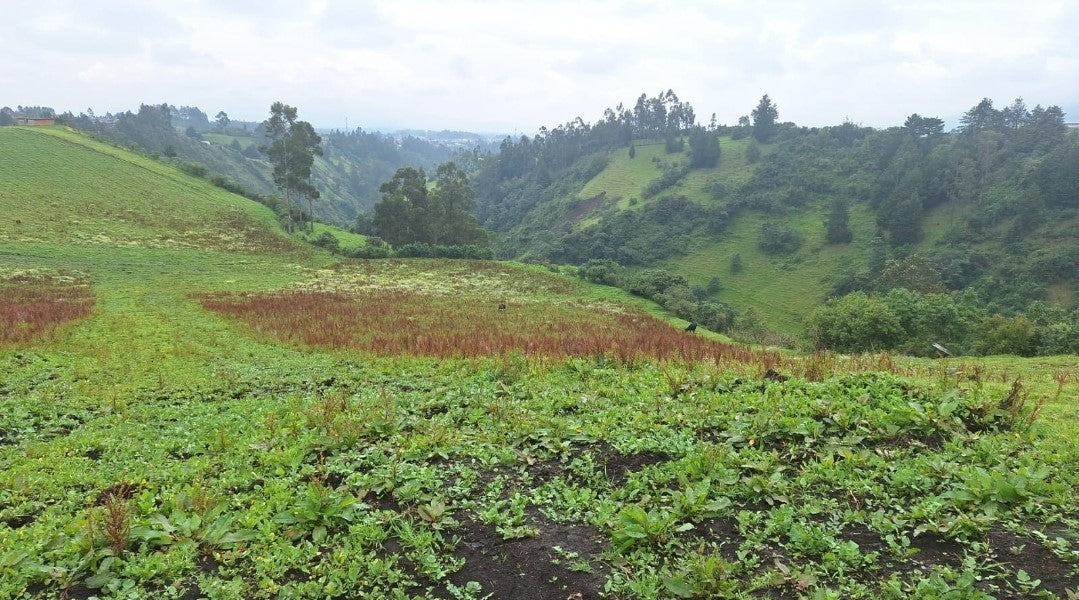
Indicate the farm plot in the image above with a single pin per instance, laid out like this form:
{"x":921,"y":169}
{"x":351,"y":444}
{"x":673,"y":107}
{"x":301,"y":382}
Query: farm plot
{"x":507,"y":478}
{"x":33,"y":305}
{"x":404,"y":323}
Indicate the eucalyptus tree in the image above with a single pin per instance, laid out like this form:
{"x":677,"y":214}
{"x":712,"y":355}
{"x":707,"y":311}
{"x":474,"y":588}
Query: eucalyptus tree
{"x":292,"y":150}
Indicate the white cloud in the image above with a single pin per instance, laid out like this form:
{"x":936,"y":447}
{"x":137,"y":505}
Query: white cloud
{"x":519,"y":65}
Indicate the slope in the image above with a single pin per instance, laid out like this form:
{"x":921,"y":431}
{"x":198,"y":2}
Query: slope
{"x":58,"y":186}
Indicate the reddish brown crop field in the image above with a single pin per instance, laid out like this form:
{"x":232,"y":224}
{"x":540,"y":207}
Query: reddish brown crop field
{"x":33,"y":309}
{"x":402,"y":323}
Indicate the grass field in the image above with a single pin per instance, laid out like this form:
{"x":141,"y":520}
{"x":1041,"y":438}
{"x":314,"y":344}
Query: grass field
{"x":161,"y":445}
{"x":783,"y":289}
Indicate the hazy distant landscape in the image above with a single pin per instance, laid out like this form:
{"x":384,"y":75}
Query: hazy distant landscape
{"x":706,"y":342}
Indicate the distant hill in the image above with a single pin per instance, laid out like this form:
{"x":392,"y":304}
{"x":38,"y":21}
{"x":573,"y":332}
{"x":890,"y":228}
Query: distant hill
{"x":992,"y":210}
{"x":353,"y":166}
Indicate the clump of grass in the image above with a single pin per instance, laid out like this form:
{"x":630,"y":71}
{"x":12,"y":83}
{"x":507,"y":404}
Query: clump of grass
{"x":395,"y":322}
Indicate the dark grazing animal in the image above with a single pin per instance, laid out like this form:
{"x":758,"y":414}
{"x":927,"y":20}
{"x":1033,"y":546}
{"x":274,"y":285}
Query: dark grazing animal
{"x":501,"y":307}
{"x":691,"y":327}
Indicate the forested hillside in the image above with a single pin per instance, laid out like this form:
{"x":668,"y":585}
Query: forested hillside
{"x":773,"y":219}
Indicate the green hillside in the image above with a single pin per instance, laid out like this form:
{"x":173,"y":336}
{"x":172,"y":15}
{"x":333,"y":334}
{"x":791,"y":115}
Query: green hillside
{"x":785,"y":289}
{"x":195,"y":405}
{"x":1000,"y":232}
{"x":62,"y":187}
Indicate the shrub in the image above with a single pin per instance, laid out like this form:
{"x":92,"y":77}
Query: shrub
{"x":1058,"y":338}
{"x":667,"y":180}
{"x":370,"y":250}
{"x":599,"y":270}
{"x":777,"y":238}
{"x":855,"y":323}
{"x":191,"y":168}
{"x":715,"y":316}
{"x":425,"y":250}
{"x":736,"y":263}
{"x":328,"y":241}
{"x":1005,"y":335}
{"x":652,"y":282}
{"x":753,"y":152}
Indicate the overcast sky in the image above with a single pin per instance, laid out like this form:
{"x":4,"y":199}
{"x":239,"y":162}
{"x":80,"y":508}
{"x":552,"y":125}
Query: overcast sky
{"x":500,"y":66}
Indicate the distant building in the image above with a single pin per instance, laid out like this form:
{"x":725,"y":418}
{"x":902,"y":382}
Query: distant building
{"x":35,"y":122}
{"x":1072,"y":125}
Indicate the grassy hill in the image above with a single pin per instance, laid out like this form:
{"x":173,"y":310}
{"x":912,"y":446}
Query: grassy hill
{"x":60,"y":186}
{"x":192,"y":413}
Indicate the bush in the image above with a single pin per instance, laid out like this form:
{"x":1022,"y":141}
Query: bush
{"x":653,"y":282}
{"x":191,"y":168}
{"x":736,"y":263}
{"x":776,"y":238}
{"x":715,"y":316}
{"x":599,"y":270}
{"x":855,"y":323}
{"x":230,"y":185}
{"x":1005,"y":335}
{"x":328,"y":241}
{"x":667,"y":180}
{"x":374,"y":248}
{"x":753,"y":152}
{"x":425,"y":250}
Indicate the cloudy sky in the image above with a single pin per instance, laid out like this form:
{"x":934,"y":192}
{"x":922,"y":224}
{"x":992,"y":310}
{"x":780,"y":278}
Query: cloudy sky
{"x":502,"y":66}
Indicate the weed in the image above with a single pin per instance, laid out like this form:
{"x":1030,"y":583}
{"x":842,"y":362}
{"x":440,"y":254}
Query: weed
{"x":116,"y":522}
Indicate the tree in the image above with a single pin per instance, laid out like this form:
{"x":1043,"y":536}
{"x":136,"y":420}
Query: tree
{"x":914,"y":273}
{"x":920,"y":126}
{"x":764,"y":120}
{"x":902,"y":218}
{"x":398,"y":216}
{"x":736,"y":263}
{"x":982,"y":117}
{"x":452,"y":202}
{"x":412,"y":212}
{"x":1014,"y":116}
{"x":601,"y":270}
{"x":221,"y":120}
{"x":703,"y":148}
{"x":878,"y":256}
{"x":1004,"y":335}
{"x":753,"y":152}
{"x":7,"y":116}
{"x":838,"y":226}
{"x":1057,"y":177}
{"x":292,"y":150}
